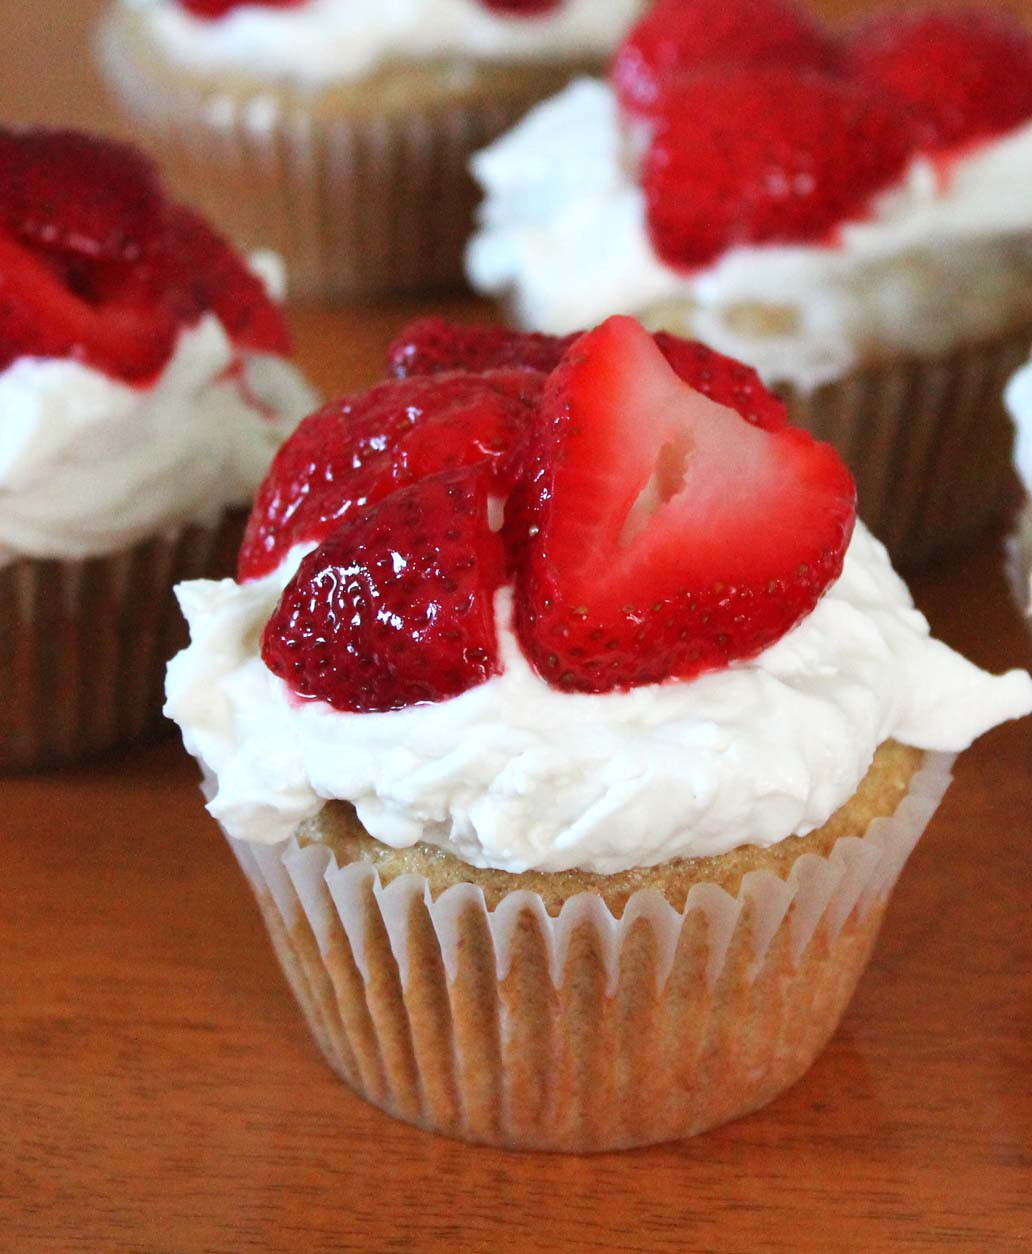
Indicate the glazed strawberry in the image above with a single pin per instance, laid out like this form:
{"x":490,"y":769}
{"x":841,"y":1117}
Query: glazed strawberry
{"x":659,"y":535}
{"x":966,"y":73}
{"x":357,"y":450}
{"x":677,"y":37}
{"x":724,"y":380}
{"x":431,"y":345}
{"x":97,"y":266}
{"x":766,"y":156}
{"x":49,"y":310}
{"x":195,"y":270}
{"x":73,"y":193}
{"x":395,"y":608}
{"x":212,"y":9}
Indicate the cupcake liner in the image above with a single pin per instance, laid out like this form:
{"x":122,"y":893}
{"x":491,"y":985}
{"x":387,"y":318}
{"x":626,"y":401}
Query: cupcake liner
{"x":928,"y":441}
{"x":83,"y":643}
{"x":358,"y":203}
{"x":580,"y":1032}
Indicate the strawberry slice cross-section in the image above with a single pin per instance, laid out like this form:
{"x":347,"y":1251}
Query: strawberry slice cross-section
{"x":658,"y":534}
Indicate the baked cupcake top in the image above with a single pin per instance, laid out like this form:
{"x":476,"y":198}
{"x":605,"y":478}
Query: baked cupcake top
{"x":803,"y":200}
{"x":553,"y":604}
{"x":320,"y":41}
{"x":144,"y":380}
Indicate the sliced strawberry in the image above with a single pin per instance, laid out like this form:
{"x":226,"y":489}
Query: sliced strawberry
{"x":966,"y":73}
{"x":764,"y":156}
{"x":210,"y":10}
{"x":658,"y":534}
{"x":96,"y":265}
{"x":359,"y":449}
{"x":395,"y":608}
{"x":47,"y":311}
{"x":431,"y":345}
{"x":78,"y":194}
{"x":678,"y":37}
{"x":194,"y":270}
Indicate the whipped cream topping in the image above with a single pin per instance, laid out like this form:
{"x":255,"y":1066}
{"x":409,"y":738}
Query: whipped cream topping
{"x":1019,"y":402}
{"x":327,"y":40}
{"x":91,"y":465}
{"x":515,"y":774}
{"x":942,"y":258}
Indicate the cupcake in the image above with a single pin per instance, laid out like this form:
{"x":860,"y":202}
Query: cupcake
{"x":1019,"y":403}
{"x":569,"y":734}
{"x":849,"y":215}
{"x":144,"y":386}
{"x":338,"y":131}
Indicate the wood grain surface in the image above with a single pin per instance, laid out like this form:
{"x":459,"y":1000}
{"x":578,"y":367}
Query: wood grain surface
{"x":159,"y":1091}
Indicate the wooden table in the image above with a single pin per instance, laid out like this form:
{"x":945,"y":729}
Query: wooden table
{"x":159,"y":1091}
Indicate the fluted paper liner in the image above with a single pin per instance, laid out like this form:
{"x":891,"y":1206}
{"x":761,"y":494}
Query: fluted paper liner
{"x":580,"y":1032}
{"x":928,"y":441}
{"x":84,"y":643}
{"x":358,"y":202}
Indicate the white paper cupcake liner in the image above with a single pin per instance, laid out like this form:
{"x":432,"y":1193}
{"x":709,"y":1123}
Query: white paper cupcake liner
{"x":83,"y":643}
{"x":580,"y":1032}
{"x":358,"y":203}
{"x":928,"y":441}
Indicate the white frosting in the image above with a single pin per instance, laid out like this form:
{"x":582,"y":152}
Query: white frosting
{"x":326,"y":40}
{"x":563,"y":234}
{"x":1019,"y":402}
{"x":515,"y":774}
{"x":91,"y":465}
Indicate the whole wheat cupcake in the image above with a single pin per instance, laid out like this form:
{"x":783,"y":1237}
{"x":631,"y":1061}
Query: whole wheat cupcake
{"x":144,"y":385}
{"x":849,"y":212}
{"x":338,"y":131}
{"x":570,"y":737}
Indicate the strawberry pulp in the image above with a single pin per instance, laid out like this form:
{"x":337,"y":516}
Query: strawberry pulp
{"x":652,"y":530}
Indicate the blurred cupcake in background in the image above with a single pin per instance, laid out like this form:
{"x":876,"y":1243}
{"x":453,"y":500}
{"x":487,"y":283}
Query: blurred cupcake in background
{"x":144,"y":386}
{"x":850,"y":213}
{"x":338,"y":131}
{"x":1019,"y":402}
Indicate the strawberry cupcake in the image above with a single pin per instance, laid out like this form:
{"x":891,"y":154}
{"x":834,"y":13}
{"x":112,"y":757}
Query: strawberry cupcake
{"x":338,"y":131}
{"x":144,"y":386}
{"x":1019,"y":403}
{"x":850,"y":213}
{"x":571,"y":733}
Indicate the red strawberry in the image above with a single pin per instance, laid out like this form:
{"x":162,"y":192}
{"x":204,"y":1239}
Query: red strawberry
{"x":522,"y":8}
{"x":361,"y":448}
{"x":966,"y":73}
{"x":431,"y":345}
{"x":96,"y":265}
{"x":396,"y":607}
{"x":764,"y":156}
{"x":49,"y":310}
{"x":75,"y":193}
{"x":209,"y":10}
{"x":681,"y":36}
{"x":195,"y":271}
{"x":659,"y":535}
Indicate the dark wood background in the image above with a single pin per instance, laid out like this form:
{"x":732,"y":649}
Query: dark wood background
{"x":158,"y":1090}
